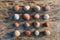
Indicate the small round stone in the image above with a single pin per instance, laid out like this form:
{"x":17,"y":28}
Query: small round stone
{"x":27,"y":24}
{"x":16,"y":7}
{"x":46,"y":24}
{"x":37,"y":8}
{"x":37,"y":24}
{"x":47,"y":7}
{"x":27,"y":7}
{"x":46,"y":16}
{"x":27,"y":32}
{"x":16,"y":24}
{"x":47,"y":32}
{"x":36,"y":33}
{"x":17,"y":33}
{"x":37,"y":16}
{"x":16,"y":16}
{"x":26,"y":16}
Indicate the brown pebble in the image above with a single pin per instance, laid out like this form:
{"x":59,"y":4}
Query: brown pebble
{"x":46,"y":24}
{"x":26,"y":16}
{"x":16,"y":24}
{"x":16,"y":7}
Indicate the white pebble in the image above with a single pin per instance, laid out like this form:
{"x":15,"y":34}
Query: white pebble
{"x":46,"y":16}
{"x":36,"y":32}
{"x":17,"y":33}
{"x":26,"y":7}
{"x":37,"y":8}
{"x":16,"y":16}
{"x":47,"y":32}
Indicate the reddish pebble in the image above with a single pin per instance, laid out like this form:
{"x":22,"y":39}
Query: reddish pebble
{"x":46,"y":24}
{"x":16,"y":24}
{"x":27,"y":32}
{"x":26,"y":16}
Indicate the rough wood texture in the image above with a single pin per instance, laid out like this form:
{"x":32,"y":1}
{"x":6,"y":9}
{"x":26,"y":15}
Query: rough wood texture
{"x":54,"y":21}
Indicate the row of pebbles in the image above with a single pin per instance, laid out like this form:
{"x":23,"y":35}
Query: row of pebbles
{"x":28,"y":33}
{"x":27,"y":8}
{"x":28,"y":16}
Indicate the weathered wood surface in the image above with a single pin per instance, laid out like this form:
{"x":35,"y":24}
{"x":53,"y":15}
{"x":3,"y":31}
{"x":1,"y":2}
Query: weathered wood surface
{"x":54,"y":22}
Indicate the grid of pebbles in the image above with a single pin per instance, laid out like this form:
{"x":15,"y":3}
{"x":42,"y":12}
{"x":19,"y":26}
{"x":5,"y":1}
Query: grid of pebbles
{"x":31,"y":14}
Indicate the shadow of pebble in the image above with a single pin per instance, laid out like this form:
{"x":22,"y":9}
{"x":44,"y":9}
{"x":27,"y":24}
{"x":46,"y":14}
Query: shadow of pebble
{"x":11,"y":27}
{"x":8,"y":35}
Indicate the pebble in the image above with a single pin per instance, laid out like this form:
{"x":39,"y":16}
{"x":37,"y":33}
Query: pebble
{"x":47,"y":7}
{"x":16,"y":7}
{"x":46,"y":24}
{"x":37,"y":8}
{"x":36,"y":33}
{"x":26,"y":16}
{"x":46,"y":16}
{"x":47,"y":32}
{"x":37,"y":24}
{"x":27,"y":24}
{"x":16,"y":24}
{"x":17,"y":33}
{"x":27,"y":32}
{"x":16,"y":16}
{"x":27,"y":7}
{"x":37,"y":16}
